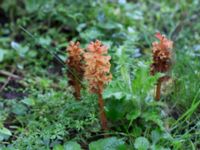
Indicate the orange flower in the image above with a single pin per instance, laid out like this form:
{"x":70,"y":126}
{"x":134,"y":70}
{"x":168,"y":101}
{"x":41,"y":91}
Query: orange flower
{"x":97,"y":68}
{"x":75,"y":55}
{"x":161,"y":54}
{"x":74,"y":62}
{"x":97,"y":72}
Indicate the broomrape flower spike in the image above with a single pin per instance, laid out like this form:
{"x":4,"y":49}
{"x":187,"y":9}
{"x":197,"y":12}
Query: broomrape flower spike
{"x":74,"y":62}
{"x":162,"y":56}
{"x":97,"y":72}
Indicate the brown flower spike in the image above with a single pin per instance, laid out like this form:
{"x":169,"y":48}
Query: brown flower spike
{"x":162,"y":56}
{"x":75,"y":64}
{"x":97,"y":72}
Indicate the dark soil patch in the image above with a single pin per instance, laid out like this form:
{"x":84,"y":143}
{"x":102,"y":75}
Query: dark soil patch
{"x":3,"y":19}
{"x":13,"y":94}
{"x":13,"y":90}
{"x":56,"y":67}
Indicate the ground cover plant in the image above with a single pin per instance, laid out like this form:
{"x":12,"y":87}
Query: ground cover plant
{"x":56,"y":61}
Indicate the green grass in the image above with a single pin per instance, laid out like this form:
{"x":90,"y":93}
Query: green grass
{"x":39,"y":111}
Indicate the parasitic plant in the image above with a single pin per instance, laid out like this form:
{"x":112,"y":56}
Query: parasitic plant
{"x":97,"y":72}
{"x":162,"y":60}
{"x":76,"y":69}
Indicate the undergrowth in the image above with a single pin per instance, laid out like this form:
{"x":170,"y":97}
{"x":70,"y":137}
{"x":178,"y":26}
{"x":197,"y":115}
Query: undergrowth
{"x":37,"y":107}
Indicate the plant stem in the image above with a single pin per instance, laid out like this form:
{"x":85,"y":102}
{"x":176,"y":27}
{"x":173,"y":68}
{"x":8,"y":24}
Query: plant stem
{"x":159,"y":83}
{"x":158,"y":89}
{"x":102,"y":113}
{"x":77,"y":92}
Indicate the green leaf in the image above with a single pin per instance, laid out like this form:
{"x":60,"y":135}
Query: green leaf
{"x":107,"y":144}
{"x":29,"y":101}
{"x":72,"y":146}
{"x":44,"y":41}
{"x":136,"y":131}
{"x":5,"y":131}
{"x":19,"y":109}
{"x":155,"y":136}
{"x":91,"y":34}
{"x":2,"y":53}
{"x":141,"y":143}
{"x":4,"y":134}
{"x":34,"y":5}
{"x":154,"y":117}
{"x":81,"y":26}
{"x":21,"y":50}
{"x":115,"y":109}
{"x":134,"y":114}
{"x":111,"y":26}
{"x":58,"y":147}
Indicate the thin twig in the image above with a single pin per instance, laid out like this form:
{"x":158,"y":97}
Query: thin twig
{"x":8,"y":80}
{"x":9,"y":74}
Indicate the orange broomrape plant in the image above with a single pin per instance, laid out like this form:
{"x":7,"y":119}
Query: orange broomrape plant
{"x":162,"y":60}
{"x":97,"y":72}
{"x":75,"y":70}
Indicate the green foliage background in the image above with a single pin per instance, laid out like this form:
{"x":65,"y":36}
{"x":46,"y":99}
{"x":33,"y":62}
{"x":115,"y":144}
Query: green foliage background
{"x":39,"y":111}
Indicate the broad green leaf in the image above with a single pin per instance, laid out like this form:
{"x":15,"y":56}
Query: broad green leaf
{"x":21,"y":50}
{"x":141,"y":143}
{"x":5,"y":131}
{"x":81,"y":26}
{"x":91,"y":34}
{"x":115,"y":108}
{"x":159,"y":147}
{"x":111,"y":26}
{"x":136,"y":131}
{"x":107,"y":144}
{"x":72,"y":146}
{"x":29,"y":101}
{"x":58,"y":147}
{"x":4,"y":134}
{"x":44,"y":41}
{"x":2,"y":53}
{"x":154,"y":117}
{"x":155,"y":136}
{"x":19,"y":109}
{"x":134,"y":114}
{"x":34,"y":5}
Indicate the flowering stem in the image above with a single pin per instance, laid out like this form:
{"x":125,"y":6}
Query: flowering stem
{"x":158,"y":89}
{"x":77,"y":92}
{"x":159,"y":83}
{"x":102,"y":112}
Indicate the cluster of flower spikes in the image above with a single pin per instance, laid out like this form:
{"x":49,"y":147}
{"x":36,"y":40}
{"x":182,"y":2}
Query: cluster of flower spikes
{"x":97,"y":66}
{"x":161,"y":54}
{"x":75,"y":64}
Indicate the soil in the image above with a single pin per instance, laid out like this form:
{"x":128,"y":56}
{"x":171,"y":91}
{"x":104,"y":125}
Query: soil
{"x":12,"y":90}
